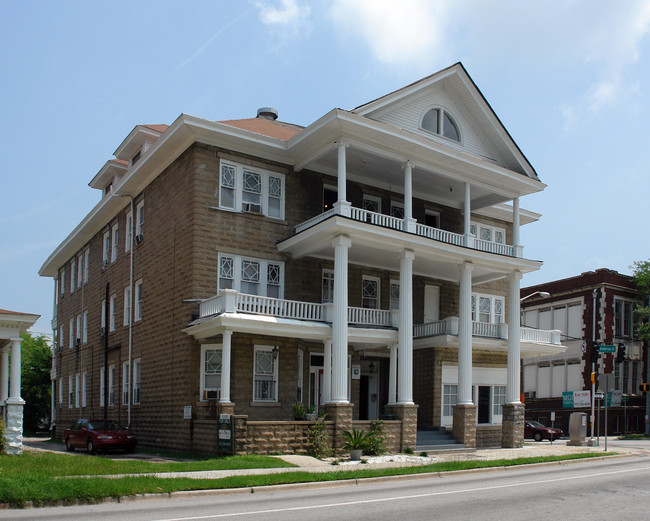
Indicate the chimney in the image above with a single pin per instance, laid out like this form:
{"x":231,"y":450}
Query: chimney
{"x":267,"y":113}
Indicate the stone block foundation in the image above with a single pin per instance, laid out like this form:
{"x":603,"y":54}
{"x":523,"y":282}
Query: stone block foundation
{"x":464,"y":429}
{"x":512,"y":426}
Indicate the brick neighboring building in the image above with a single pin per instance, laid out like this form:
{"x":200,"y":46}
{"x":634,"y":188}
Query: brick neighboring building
{"x":570,"y":309}
{"x":242,"y":266}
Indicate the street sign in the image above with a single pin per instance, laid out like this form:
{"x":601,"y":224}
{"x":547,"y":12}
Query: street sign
{"x":606,"y":349}
{"x":599,"y":396}
{"x":225,"y":442}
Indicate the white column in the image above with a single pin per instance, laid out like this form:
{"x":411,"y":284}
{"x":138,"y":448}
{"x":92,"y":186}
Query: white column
{"x":514,"y":336}
{"x":405,"y":332}
{"x":226,"y":361}
{"x":467,"y":209}
{"x":465,"y":335}
{"x":516,"y":241}
{"x":4,"y":375}
{"x":392,"y":375}
{"x":340,"y":321}
{"x":14,"y":381}
{"x":342,"y":205}
{"x":409,"y":222}
{"x":327,"y":372}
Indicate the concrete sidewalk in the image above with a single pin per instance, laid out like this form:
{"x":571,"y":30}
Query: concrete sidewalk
{"x":309,"y":464}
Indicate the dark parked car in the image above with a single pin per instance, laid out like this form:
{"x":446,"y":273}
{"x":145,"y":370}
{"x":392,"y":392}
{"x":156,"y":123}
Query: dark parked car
{"x":539,"y":432}
{"x":95,"y":435}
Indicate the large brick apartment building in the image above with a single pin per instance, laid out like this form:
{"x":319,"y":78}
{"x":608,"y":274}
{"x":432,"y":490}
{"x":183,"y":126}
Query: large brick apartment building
{"x":593,"y":306}
{"x":368,"y":264}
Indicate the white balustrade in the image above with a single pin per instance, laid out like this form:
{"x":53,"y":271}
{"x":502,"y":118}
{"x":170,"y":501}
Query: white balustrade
{"x":540,"y":336}
{"x":485,"y":329}
{"x":370,"y":317}
{"x":315,"y":220}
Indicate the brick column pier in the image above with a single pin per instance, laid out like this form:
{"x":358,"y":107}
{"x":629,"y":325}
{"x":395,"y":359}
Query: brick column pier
{"x":408,"y":414}
{"x":341,"y":415}
{"x":464,"y":429}
{"x":512,"y":426}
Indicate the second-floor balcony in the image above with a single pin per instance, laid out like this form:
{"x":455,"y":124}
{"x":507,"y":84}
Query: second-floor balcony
{"x":230,"y":301}
{"x":421,"y":230}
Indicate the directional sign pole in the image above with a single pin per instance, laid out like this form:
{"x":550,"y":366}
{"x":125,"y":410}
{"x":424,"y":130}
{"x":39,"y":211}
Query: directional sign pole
{"x":606,"y":399}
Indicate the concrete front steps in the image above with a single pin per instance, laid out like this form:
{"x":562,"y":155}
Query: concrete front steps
{"x":435,"y":440}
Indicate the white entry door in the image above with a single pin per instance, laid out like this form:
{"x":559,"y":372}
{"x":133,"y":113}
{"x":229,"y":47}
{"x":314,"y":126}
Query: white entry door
{"x":431,"y":303}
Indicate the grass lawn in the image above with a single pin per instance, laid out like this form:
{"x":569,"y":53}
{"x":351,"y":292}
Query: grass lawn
{"x":36,"y":477}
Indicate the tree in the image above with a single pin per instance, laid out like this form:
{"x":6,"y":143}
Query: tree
{"x":35,"y":380}
{"x":641,"y":277}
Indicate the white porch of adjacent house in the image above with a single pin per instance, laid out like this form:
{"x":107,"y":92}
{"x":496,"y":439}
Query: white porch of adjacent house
{"x":12,"y":325}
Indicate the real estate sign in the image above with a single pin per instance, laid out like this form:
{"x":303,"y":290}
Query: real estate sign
{"x":571,"y":399}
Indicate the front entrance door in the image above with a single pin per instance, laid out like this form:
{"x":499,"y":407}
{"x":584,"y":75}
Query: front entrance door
{"x":369,"y":390}
{"x":431,"y":304}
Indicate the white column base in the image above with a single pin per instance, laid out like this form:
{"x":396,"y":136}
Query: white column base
{"x":14,"y":430}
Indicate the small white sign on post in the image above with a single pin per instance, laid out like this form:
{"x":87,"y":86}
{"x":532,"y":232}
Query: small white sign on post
{"x":552,"y":416}
{"x":187,"y":412}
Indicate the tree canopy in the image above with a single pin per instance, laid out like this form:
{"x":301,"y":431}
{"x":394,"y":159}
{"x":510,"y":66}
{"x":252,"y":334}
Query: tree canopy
{"x":641,"y":277}
{"x":36,"y":386}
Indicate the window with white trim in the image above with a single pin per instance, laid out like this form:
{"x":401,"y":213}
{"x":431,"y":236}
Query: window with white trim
{"x":73,"y":269}
{"x":80,"y":270}
{"x":394,"y":294}
{"x":84,"y":336}
{"x":265,"y":375}
{"x":252,"y":276}
{"x":498,"y":399}
{"x":137,"y":366}
{"x":139,"y":222}
{"x":138,"y":300}
{"x":106,"y":252}
{"x":397,"y":210}
{"x":488,"y":308}
{"x":77,"y":384}
{"x":61,"y":336}
{"x":60,"y":393}
{"x":84,"y":389}
{"x":71,"y":332}
{"x":371,"y":203}
{"x":116,"y":242}
{"x":128,"y":235}
{"x":211,"y":371}
{"x":623,"y":318}
{"x":78,"y":335}
{"x":370,"y":292}
{"x":125,"y":383}
{"x":86,"y":264}
{"x":247,"y":189}
{"x":102,"y":387}
{"x":328,"y":286}
{"x":449,"y":399}
{"x":127,"y":306}
{"x":103,"y":319}
{"x":485,"y":232}
{"x":111,"y":385}
{"x":70,"y":391}
{"x":62,"y":282}
{"x":112,"y":312}
{"x":432,"y":218}
{"x":440,"y":122}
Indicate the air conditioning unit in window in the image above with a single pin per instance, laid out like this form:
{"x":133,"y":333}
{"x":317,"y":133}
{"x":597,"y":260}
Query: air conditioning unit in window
{"x":139,"y":238}
{"x":251,"y":207}
{"x":211,"y":395}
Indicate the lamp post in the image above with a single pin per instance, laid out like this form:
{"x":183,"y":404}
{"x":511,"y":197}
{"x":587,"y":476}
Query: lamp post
{"x":542,"y":294}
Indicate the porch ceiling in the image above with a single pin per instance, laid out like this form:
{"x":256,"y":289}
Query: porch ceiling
{"x":378,"y":247}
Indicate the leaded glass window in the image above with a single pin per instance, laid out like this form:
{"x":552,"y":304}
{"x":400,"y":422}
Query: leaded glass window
{"x":227,"y":186}
{"x":250,"y":278}
{"x":275,"y":196}
{"x":273,"y":280}
{"x":226,"y":273}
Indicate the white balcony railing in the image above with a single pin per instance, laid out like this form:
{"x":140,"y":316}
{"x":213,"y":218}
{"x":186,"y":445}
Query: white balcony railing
{"x":541,"y":336}
{"x":374,"y":317}
{"x":436,"y":234}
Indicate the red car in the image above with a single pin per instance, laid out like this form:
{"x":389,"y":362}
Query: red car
{"x":94,"y":435}
{"x":539,"y":432}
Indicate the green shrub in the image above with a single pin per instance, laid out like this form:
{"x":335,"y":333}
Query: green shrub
{"x":407,"y":450}
{"x":356,"y":439}
{"x":424,"y":454}
{"x":376,"y":439}
{"x":2,"y":436}
{"x":298,"y":411}
{"x":319,"y":440}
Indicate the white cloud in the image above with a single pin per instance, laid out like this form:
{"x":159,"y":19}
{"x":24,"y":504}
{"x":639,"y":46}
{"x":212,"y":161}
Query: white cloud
{"x":290,"y":17}
{"x":408,"y":32}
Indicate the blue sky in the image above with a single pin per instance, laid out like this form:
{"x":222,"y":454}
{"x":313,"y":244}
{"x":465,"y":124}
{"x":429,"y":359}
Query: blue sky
{"x":569,"y":80}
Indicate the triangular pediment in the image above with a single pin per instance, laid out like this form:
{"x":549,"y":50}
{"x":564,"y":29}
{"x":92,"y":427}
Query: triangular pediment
{"x":451,"y":90}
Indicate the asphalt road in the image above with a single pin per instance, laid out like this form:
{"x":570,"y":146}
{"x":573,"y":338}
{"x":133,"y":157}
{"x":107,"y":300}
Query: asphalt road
{"x":613,"y":489}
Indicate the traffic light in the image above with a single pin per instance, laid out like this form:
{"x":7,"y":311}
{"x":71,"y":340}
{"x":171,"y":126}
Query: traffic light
{"x":594,"y":379}
{"x":644,"y":387}
{"x":594,"y":352}
{"x":620,"y":354}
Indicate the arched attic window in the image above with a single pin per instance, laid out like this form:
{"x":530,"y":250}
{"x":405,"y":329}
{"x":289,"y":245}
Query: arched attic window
{"x":440,"y":122}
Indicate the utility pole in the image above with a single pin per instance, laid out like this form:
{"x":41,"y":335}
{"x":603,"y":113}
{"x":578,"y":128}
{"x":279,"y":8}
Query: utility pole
{"x":593,"y":364}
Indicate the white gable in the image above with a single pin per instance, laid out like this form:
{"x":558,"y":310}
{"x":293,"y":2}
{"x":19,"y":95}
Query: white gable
{"x":452,"y":90}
